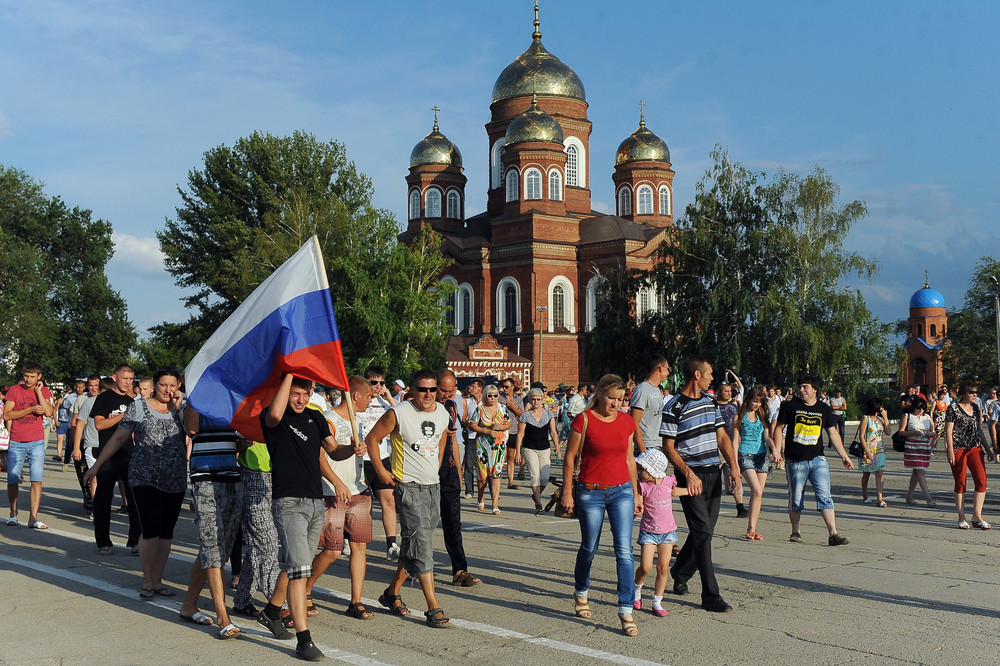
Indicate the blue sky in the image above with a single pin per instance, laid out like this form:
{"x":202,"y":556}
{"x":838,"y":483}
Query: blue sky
{"x":111,"y":103}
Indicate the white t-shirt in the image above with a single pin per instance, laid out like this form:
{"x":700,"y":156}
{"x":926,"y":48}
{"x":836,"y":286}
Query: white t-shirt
{"x":416,"y":443}
{"x":350,"y":471}
{"x":367,"y":420}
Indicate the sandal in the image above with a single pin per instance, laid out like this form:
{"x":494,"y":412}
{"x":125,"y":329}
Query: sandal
{"x":359,"y":612}
{"x":147,"y":593}
{"x":882,"y":504}
{"x":105,"y":550}
{"x":12,"y":521}
{"x":310,"y":607}
{"x":246,"y":611}
{"x":982,"y":524}
{"x":868,"y":500}
{"x":229,"y":631}
{"x":963,"y":525}
{"x":465,"y":579}
{"x":435,"y":618}
{"x":285,"y":617}
{"x":751,"y":536}
{"x":758,"y":537}
{"x":164,"y":592}
{"x":496,"y":511}
{"x":582,"y":607}
{"x":390,"y":602}
{"x":628,"y":625}
{"x":481,"y":507}
{"x":197,"y":618}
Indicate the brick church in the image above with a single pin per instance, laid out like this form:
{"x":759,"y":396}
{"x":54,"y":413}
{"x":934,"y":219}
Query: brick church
{"x":528,"y":268}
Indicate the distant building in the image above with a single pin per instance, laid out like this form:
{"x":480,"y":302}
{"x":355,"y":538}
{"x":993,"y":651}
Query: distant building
{"x":539,"y":244}
{"x":927,"y":336}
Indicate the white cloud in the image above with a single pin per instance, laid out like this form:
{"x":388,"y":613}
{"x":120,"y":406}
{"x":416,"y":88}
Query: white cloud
{"x":138,"y":254}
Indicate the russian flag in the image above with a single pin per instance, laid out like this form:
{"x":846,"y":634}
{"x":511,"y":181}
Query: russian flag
{"x":285,"y":325}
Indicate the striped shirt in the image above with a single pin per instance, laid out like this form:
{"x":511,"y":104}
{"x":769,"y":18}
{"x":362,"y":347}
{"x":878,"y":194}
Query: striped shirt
{"x":691,"y":423}
{"x":213,"y":452}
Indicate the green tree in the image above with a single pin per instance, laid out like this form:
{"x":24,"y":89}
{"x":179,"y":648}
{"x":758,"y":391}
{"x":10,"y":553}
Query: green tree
{"x":971,"y":354}
{"x":620,"y":341}
{"x":251,"y":206}
{"x":60,"y":310}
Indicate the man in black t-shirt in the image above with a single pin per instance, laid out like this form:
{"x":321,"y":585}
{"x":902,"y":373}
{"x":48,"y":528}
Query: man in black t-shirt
{"x":297,"y":438}
{"x":801,"y":445}
{"x":107,"y":411}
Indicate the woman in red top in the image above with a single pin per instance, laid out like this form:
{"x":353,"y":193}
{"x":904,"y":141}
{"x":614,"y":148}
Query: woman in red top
{"x":603,"y":437}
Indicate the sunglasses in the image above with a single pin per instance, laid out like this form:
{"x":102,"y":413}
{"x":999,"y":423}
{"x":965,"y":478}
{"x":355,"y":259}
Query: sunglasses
{"x":377,"y":382}
{"x":427,"y":389}
{"x":492,"y":395}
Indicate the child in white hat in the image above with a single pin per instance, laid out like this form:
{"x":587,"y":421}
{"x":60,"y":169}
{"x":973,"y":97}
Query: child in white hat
{"x":657,"y":529}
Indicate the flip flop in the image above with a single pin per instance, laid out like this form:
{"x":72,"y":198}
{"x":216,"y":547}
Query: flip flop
{"x":12,"y":522}
{"x":983,"y":525}
{"x":38,"y":525}
{"x":147,"y":593}
{"x":197,"y":618}
{"x":963,"y":525}
{"x":229,"y":631}
{"x":164,"y":592}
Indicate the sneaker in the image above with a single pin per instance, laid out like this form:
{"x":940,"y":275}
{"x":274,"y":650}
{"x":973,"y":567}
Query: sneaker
{"x":393,"y":553}
{"x":468,"y":495}
{"x":347,"y":547}
{"x":838,"y":540}
{"x":796,"y":537}
{"x":276,"y":628}
{"x":309,"y":652}
{"x":742,"y":513}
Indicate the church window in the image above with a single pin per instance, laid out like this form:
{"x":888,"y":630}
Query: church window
{"x":920,"y":330}
{"x":512,"y":185}
{"x":664,"y":200}
{"x":625,"y":202}
{"x":572,"y":166}
{"x":555,"y":185}
{"x":508,"y":311}
{"x":414,"y":205}
{"x":558,"y":307}
{"x":533,"y":184}
{"x":933,"y":330}
{"x":433,"y":203}
{"x":645,"y":200}
{"x":593,"y":289}
{"x":560,"y":312}
{"x":465,"y":320}
{"x":496,"y":166}
{"x":454,"y":205}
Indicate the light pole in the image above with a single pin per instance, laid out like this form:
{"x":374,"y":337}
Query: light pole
{"x":541,"y":329}
{"x":996,"y":301}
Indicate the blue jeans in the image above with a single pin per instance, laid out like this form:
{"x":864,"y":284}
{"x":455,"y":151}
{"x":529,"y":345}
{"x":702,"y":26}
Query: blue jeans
{"x":818,"y":474}
{"x":619,"y":503}
{"x":16,"y":454}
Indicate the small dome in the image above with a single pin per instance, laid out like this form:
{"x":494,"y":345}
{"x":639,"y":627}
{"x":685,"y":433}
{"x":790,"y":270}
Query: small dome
{"x":435,"y":148}
{"x":642,"y":146}
{"x":538,"y":71}
{"x":927,"y":298}
{"x":534,"y":125}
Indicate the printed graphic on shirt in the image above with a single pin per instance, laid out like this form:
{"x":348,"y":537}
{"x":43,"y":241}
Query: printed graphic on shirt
{"x":427,"y":444}
{"x":808,"y":429}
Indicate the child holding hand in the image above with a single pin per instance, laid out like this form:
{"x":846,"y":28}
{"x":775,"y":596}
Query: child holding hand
{"x":657,"y":528}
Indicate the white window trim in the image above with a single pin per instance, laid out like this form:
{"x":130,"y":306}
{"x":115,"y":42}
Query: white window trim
{"x":465,"y":288}
{"x":427,"y":208}
{"x":562,"y":183}
{"x":447,"y":196}
{"x":527,"y":192}
{"x":638,"y":196}
{"x":623,"y":192}
{"x":512,"y":176}
{"x":569,"y":301}
{"x":591,"y":303}
{"x":581,"y":159}
{"x":414,"y":197}
{"x":496,"y":165}
{"x":501,"y":306}
{"x":670,"y":199}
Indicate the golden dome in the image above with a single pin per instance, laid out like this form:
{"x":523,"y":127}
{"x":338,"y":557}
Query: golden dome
{"x":642,"y":146}
{"x":538,"y":71}
{"x":534,"y":125}
{"x":435,"y":148}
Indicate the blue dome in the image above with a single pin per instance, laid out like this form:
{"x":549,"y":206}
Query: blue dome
{"x":927,"y":298}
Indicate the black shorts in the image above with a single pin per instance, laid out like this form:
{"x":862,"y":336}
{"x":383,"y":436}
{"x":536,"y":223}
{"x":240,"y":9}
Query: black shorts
{"x":371,"y":478}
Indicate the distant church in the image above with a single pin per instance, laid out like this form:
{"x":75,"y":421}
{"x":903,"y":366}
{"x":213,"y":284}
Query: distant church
{"x":528,"y":268}
{"x":927,"y":336}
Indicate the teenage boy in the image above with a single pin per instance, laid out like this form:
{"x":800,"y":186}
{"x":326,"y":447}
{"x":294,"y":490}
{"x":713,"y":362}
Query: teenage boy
{"x":419,"y":429}
{"x":382,"y":400}
{"x":297,"y":439}
{"x":24,"y":406}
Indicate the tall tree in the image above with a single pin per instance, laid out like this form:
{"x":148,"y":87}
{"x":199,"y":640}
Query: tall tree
{"x":251,"y":206}
{"x":620,"y":341}
{"x":971,"y":354}
{"x":60,"y":310}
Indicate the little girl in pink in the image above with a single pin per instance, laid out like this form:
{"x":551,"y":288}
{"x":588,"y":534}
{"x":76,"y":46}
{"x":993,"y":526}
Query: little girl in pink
{"x":657,"y":528}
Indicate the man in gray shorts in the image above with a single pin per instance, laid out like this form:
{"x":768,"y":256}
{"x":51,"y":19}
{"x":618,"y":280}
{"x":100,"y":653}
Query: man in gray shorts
{"x":419,"y":428}
{"x":218,"y":502}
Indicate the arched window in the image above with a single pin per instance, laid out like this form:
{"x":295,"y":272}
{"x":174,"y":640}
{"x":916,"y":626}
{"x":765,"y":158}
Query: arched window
{"x":454,"y":205}
{"x":593,"y":287}
{"x":644,"y":201}
{"x":920,"y":330}
{"x":555,"y":185}
{"x":414,"y":205}
{"x":433,"y":203}
{"x":558,"y":307}
{"x":644,"y":304}
{"x":664,"y":200}
{"x":496,"y":166}
{"x":512,"y":185}
{"x":465,"y":310}
{"x":508,"y":299}
{"x":572,"y":166}
{"x":561,"y":305}
{"x":933,"y":331}
{"x":624,"y":202}
{"x":533,"y":184}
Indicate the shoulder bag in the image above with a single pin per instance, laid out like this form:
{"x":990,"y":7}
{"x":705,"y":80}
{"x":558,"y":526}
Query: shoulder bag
{"x":560,"y":511}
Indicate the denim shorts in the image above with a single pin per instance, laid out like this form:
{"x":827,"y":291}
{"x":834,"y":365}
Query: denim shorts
{"x":34,"y":452}
{"x":817,"y":472}
{"x":648,"y":539}
{"x":299,"y":521}
{"x":758,"y":462}
{"x":63,"y":428}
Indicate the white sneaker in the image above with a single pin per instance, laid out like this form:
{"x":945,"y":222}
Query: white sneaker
{"x":347,"y":547}
{"x":393,"y":553}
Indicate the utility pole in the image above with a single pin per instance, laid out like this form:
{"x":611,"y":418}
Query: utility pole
{"x":541,"y":329}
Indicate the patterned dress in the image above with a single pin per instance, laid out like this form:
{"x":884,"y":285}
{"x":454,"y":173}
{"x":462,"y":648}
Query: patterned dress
{"x":918,"y":449}
{"x":873,"y":439}
{"x":940,"y":412}
{"x":491,"y":450}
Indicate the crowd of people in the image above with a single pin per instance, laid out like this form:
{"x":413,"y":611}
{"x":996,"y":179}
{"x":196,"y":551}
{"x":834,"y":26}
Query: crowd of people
{"x":285,"y":509}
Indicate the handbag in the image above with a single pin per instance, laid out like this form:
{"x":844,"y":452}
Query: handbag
{"x":856,"y":449}
{"x":560,"y":511}
{"x":898,"y":440}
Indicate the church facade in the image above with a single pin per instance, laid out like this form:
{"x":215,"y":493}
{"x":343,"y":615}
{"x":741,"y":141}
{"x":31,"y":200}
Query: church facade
{"x":527,"y":270}
{"x":926,"y":338}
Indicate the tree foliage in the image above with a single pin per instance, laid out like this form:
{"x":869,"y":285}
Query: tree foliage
{"x":252,"y":205}
{"x":60,"y":310}
{"x":972,"y":352}
{"x":620,"y":342}
{"x":753,"y":276}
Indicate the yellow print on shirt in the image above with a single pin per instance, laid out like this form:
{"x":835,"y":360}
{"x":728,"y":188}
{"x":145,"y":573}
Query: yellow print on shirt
{"x":808,"y":429}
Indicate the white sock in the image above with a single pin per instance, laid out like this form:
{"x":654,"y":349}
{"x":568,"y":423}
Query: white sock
{"x":638,"y":592}
{"x":656,"y":602}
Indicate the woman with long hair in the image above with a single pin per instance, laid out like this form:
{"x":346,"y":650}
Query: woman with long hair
{"x":915,"y":426}
{"x":752,"y":443}
{"x":873,"y":424}
{"x":603,"y":437}
{"x":963,"y":434}
{"x":535,"y":429}
{"x":492,"y":424}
